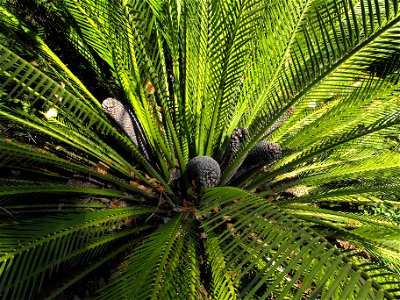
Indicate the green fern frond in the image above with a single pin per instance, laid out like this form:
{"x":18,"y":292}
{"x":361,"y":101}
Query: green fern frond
{"x":351,"y":52}
{"x":87,"y":271}
{"x":223,"y":284}
{"x":268,"y":234}
{"x":29,"y":156}
{"x":75,"y":234}
{"x":364,"y":235}
{"x":155,"y":265}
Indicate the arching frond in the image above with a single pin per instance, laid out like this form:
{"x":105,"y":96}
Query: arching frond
{"x":28,"y":156}
{"x":272,"y":253}
{"x":163,"y":267}
{"x":52,"y":241}
{"x":38,"y":90}
{"x":222,"y":283}
{"x":323,"y":65}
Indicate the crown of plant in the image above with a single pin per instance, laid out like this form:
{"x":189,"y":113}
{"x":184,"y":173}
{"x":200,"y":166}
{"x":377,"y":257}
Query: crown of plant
{"x":199,"y":149}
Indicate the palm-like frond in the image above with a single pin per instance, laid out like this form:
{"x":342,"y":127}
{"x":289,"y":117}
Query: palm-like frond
{"x":38,"y":89}
{"x":52,"y":241}
{"x":269,"y":252}
{"x":160,"y":266}
{"x":315,"y":80}
{"x":81,"y":192}
{"x":17,"y":155}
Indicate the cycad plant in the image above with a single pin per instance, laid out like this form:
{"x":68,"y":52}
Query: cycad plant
{"x":199,"y":149}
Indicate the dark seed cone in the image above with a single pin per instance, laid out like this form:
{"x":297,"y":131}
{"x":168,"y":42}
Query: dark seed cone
{"x":238,"y":138}
{"x":128,"y":122}
{"x":261,"y":154}
{"x":204,"y":170}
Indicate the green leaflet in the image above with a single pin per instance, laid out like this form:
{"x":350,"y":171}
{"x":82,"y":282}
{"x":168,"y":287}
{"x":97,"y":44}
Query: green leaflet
{"x":281,"y":247}
{"x":48,"y":243}
{"x":163,"y":262}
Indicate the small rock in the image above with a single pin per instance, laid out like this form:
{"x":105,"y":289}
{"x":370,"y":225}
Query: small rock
{"x":101,"y":283}
{"x":297,"y":191}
